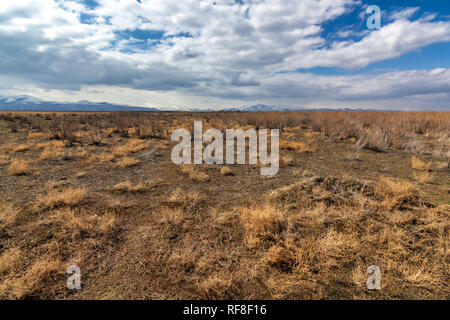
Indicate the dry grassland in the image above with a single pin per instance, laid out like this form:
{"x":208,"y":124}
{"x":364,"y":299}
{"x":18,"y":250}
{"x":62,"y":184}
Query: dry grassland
{"x":99,"y":190}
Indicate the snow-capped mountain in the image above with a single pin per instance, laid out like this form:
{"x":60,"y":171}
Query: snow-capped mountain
{"x":257,"y":108}
{"x":29,"y":103}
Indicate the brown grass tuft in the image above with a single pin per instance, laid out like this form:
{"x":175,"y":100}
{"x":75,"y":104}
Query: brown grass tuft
{"x":297,"y":146}
{"x":127,"y":162}
{"x":19,"y":168}
{"x":397,"y":194}
{"x":262,"y":224}
{"x":69,"y":197}
{"x":418,"y":164}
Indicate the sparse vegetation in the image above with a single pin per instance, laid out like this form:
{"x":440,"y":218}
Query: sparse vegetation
{"x":99,"y":190}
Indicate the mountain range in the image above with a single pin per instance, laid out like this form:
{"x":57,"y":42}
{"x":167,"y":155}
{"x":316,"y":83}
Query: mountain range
{"x":29,"y":103}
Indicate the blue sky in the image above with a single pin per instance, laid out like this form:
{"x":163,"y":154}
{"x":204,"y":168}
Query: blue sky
{"x":222,"y":53}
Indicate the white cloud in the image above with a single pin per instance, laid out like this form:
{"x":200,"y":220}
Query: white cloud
{"x":213,"y":50}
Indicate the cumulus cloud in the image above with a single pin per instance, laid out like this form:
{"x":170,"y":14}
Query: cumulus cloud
{"x":211,"y":49}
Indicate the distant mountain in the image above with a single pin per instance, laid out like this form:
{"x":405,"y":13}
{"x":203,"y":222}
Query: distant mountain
{"x":266,"y":108}
{"x":257,"y":108}
{"x":29,"y":103}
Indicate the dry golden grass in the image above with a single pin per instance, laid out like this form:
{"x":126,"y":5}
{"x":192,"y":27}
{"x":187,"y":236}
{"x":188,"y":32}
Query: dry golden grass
{"x":226,"y":171}
{"x":189,"y":198}
{"x":131,"y":146}
{"x":261,"y":224}
{"x":298,"y":146}
{"x":397,"y":194}
{"x":78,"y":222}
{"x":4,"y":159}
{"x":36,"y":135}
{"x":32,"y":280}
{"x":69,"y":197}
{"x":418,"y":164}
{"x":10,"y":260}
{"x":21,"y":148}
{"x":126,"y":162}
{"x":422,"y":177}
{"x":19,"y":168}
{"x":101,"y":158}
{"x":194,"y":174}
{"x":54,"y":144}
{"x":8,"y":148}
{"x":8,"y":213}
{"x":172,"y":216}
{"x":199,"y":176}
{"x":287,"y":160}
{"x":127,"y":186}
{"x":51,"y":154}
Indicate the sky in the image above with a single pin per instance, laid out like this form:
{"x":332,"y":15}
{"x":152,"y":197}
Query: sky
{"x":228,"y":53}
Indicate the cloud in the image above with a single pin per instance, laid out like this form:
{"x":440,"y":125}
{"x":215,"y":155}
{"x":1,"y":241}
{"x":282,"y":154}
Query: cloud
{"x":211,"y":49}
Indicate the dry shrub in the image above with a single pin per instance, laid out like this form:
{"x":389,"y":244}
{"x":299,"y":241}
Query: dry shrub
{"x":414,"y":145}
{"x":19,"y":168}
{"x":418,"y":164}
{"x":226,"y":171}
{"x":127,"y":162}
{"x":96,"y":135}
{"x":64,"y":130}
{"x":69,"y":197}
{"x":376,"y":139}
